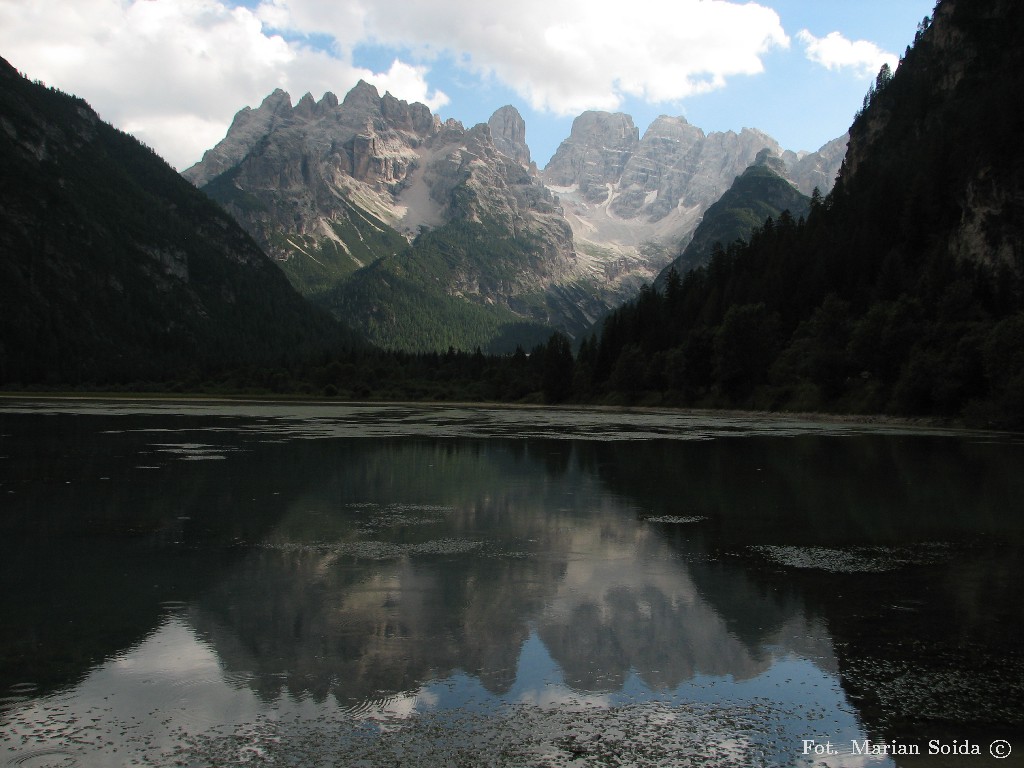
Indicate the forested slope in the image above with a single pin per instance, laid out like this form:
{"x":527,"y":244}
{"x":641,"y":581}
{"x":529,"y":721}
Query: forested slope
{"x":901,"y":292}
{"x":115,"y":269}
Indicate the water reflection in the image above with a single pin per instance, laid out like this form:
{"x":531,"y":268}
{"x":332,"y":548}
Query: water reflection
{"x":215,"y":586}
{"x":371,"y":607}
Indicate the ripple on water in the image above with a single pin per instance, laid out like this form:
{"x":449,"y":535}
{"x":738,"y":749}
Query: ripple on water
{"x":401,"y":515}
{"x":23,"y":688}
{"x":194,"y":451}
{"x":853,"y":559}
{"x":173,"y":606}
{"x":44,"y":757}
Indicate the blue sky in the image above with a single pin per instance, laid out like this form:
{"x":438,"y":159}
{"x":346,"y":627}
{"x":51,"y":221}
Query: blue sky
{"x":174,"y":72}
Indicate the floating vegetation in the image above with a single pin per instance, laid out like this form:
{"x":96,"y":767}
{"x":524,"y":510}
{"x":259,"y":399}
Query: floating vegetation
{"x":380,"y":550}
{"x":401,"y":514}
{"x":675,"y":519}
{"x":920,"y":680}
{"x":853,"y":559}
{"x":636,"y":736}
{"x":193,"y":451}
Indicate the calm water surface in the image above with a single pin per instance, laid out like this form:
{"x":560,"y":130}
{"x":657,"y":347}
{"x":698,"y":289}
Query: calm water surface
{"x":378,"y":585}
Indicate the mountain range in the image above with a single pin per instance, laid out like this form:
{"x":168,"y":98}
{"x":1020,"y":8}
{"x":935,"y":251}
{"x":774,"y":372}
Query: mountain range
{"x":636,"y":200}
{"x":344,"y":193}
{"x":900,"y":290}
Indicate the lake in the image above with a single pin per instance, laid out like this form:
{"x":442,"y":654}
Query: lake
{"x":204,"y":583}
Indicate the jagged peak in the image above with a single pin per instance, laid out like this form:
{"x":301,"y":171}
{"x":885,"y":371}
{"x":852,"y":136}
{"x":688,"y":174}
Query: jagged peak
{"x":669,"y":125}
{"x":768,"y":158}
{"x":306,"y":106}
{"x":506,"y":112}
{"x":275,"y":100}
{"x":508,"y":131}
{"x":671,"y":119}
{"x":391,"y":104}
{"x":755,"y":132}
{"x":594,"y":117}
{"x":363,"y":93}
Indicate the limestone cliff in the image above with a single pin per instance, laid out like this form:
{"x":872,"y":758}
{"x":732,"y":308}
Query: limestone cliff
{"x":633,"y":202}
{"x":328,"y":188}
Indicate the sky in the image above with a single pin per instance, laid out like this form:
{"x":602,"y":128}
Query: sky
{"x":174,"y":72}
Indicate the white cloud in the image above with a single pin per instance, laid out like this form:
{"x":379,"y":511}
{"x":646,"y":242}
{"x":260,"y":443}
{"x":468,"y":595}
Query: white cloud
{"x":174,"y":72}
{"x":836,"y":52}
{"x":409,"y":83}
{"x":563,"y":56}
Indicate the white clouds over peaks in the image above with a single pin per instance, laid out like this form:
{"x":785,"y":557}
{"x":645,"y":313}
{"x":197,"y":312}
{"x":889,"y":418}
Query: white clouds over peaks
{"x":836,"y":52}
{"x":563,"y":56}
{"x":173,"y":72}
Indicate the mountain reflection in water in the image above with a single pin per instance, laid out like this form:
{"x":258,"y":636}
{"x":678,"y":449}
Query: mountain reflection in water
{"x":199,"y":583}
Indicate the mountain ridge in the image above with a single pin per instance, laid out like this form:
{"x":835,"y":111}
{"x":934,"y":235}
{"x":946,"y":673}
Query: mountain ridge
{"x":626,"y":192}
{"x":759,"y":193}
{"x":328,"y":188}
{"x":113,"y":268}
{"x":328,"y":179}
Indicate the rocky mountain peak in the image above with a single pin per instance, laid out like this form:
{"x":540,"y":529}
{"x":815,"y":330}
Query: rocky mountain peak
{"x":416,"y":118}
{"x":508,"y":131}
{"x":307,"y":184}
{"x":808,"y":170}
{"x":362,"y":96}
{"x":634,"y":201}
{"x":295,"y":178}
{"x":276,"y":102}
{"x":595,"y":154}
{"x":306,"y":107}
{"x":247,"y":128}
{"x":766,"y":158}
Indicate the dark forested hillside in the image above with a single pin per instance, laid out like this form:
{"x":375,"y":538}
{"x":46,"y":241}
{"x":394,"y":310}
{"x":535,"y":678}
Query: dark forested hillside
{"x":114,"y":269}
{"x":757,"y":194}
{"x":438,"y":293}
{"x":902,"y":291}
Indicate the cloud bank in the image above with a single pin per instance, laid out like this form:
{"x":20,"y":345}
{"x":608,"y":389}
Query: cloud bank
{"x":836,"y":52}
{"x":566,"y":56}
{"x":174,"y":72}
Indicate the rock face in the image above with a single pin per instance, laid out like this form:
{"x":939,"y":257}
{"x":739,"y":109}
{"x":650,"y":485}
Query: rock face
{"x":508,"y":132}
{"x":297,"y":166}
{"x":327,"y":188}
{"x":634,"y":202}
{"x":761,"y":191}
{"x":816,"y":169}
{"x":248,"y":127}
{"x":321,"y":184}
{"x":595,"y":154}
